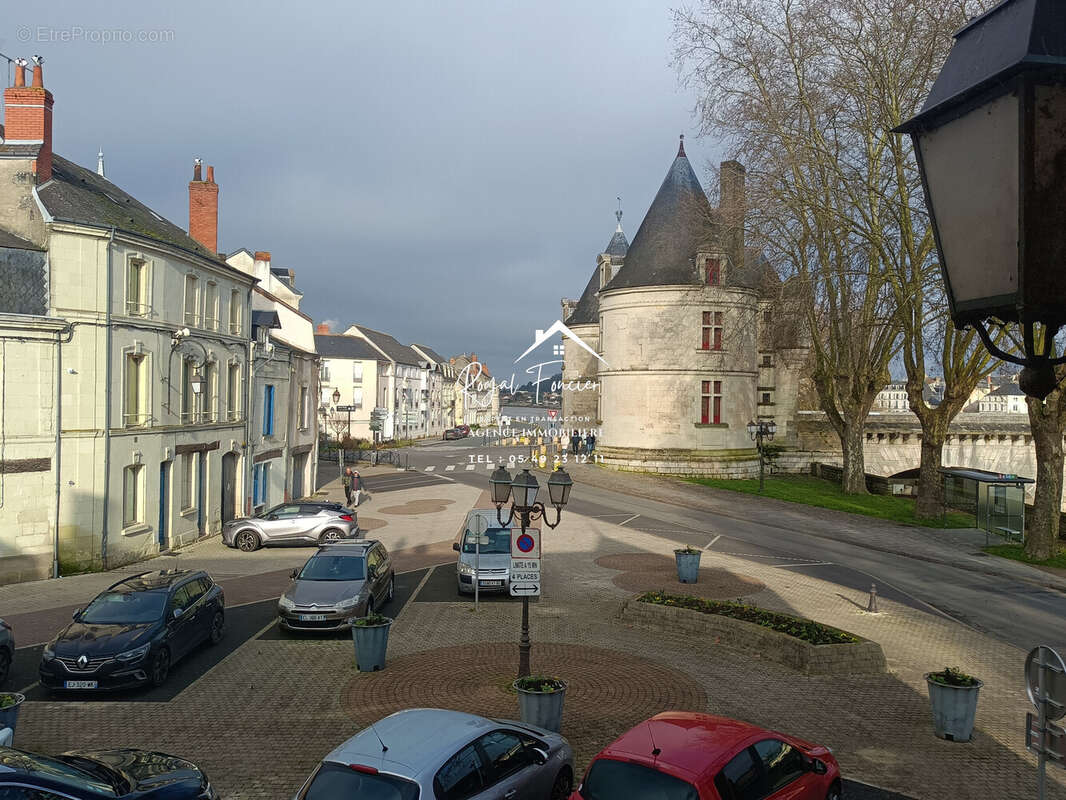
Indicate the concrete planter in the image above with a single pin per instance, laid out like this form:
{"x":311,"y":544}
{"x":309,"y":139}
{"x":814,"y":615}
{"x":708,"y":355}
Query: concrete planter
{"x":9,"y":716}
{"x":688,"y":566}
{"x":543,"y":709}
{"x":371,"y":642}
{"x":954,"y":709}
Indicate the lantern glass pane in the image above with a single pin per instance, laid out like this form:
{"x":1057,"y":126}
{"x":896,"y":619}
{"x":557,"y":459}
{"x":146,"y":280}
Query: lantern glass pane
{"x":559,"y":487}
{"x":971,"y":174}
{"x":1045,"y":209}
{"x":501,"y":485}
{"x":525,"y":489}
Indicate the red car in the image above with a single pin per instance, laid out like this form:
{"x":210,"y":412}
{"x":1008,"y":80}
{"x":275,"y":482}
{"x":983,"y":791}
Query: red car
{"x":464,"y":428}
{"x":682,"y":755}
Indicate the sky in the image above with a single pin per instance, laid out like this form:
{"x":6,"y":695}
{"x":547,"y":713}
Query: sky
{"x":442,"y":171}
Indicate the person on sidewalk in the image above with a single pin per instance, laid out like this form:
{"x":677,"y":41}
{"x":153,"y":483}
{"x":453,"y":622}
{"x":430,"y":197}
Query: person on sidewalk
{"x":590,"y":443}
{"x":357,"y":487}
{"x":346,"y":481}
{"x":575,"y":443}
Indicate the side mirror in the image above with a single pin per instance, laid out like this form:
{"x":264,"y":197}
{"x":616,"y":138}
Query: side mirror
{"x":76,"y":614}
{"x":178,"y":612}
{"x":293,"y":574}
{"x":818,"y":767}
{"x":540,"y":756}
{"x":455,"y":546}
{"x":272,"y":518}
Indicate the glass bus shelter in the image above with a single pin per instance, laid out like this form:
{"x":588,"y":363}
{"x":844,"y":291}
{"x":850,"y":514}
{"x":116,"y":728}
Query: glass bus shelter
{"x":996,"y":500}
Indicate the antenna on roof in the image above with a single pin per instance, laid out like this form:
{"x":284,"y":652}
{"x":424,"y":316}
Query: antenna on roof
{"x":651,"y":735}
{"x":384,"y":747}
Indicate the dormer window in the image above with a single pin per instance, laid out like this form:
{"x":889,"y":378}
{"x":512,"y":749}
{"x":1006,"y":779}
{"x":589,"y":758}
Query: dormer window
{"x":712,"y":271}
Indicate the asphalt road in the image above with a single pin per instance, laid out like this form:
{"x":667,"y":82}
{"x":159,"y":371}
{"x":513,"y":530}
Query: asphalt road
{"x":1016,"y":612}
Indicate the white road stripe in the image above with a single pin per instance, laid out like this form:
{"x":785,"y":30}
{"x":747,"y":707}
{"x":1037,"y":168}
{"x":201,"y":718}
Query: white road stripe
{"x":623,"y":522}
{"x":430,"y":468}
{"x":470,"y":467}
{"x":807,"y":564}
{"x":400,"y":469}
{"x":710,"y":544}
{"x":449,"y":468}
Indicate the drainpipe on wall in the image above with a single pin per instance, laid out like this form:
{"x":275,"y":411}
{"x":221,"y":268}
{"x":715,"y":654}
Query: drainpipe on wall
{"x":59,"y":446}
{"x":107,"y":405}
{"x":247,"y":480}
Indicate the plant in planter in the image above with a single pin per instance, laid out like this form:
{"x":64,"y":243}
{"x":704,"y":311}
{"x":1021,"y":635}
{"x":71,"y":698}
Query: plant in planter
{"x":953,"y":697}
{"x":371,"y":637}
{"x":540,"y":701}
{"x":10,"y":704}
{"x":688,"y":564}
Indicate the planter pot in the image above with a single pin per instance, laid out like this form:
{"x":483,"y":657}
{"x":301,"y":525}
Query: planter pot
{"x":954,"y":710}
{"x":688,"y":566}
{"x":10,"y":715}
{"x":371,"y":642}
{"x":543,"y":709}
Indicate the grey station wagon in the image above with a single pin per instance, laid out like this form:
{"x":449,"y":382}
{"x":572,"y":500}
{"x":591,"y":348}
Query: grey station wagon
{"x":302,"y":522}
{"x":433,"y":754}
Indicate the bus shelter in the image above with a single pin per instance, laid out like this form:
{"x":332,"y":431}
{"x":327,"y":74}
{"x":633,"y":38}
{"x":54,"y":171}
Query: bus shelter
{"x":996,"y":499}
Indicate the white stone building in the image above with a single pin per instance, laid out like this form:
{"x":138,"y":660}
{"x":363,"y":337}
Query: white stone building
{"x":695,"y":332}
{"x":477,"y":395}
{"x":1007,"y":398}
{"x":893,"y":398}
{"x":137,"y":367}
{"x":349,"y":368}
{"x":441,"y":383}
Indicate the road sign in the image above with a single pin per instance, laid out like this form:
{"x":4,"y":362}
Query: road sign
{"x":347,"y":408}
{"x":525,"y":590}
{"x":1043,"y":659}
{"x":525,"y":544}
{"x":1054,"y":743}
{"x":552,"y":412}
{"x":525,"y":563}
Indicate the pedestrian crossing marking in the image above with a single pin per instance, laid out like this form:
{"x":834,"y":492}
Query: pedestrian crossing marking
{"x":430,"y":468}
{"x":470,"y":466}
{"x":449,"y":468}
{"x":399,"y":469}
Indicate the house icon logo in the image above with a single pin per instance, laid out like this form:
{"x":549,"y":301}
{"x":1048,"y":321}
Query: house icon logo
{"x":557,"y":349}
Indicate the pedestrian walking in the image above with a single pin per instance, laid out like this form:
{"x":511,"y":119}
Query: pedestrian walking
{"x":346,"y":482}
{"x":357,"y":487}
{"x":590,"y":442}
{"x":575,"y":443}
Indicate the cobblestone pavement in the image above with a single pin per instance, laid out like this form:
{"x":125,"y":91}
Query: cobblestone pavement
{"x":263,"y":716}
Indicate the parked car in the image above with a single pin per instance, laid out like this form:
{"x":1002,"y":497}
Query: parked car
{"x":680,"y":755}
{"x":491,"y":558}
{"x":340,"y":581}
{"x":134,"y":631}
{"x":7,"y":650}
{"x":292,"y":523}
{"x":98,"y":774}
{"x":432,"y":753}
{"x":453,"y":433}
{"x":464,"y":428}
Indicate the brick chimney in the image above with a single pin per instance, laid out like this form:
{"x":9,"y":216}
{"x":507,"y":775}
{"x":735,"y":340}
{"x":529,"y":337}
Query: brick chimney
{"x":322,"y":329}
{"x":28,"y":111}
{"x":262,"y":265}
{"x":203,"y":208}
{"x":734,"y":206}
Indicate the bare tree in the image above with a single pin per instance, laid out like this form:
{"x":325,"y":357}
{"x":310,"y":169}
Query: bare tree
{"x":806,"y":92}
{"x":1047,"y":420}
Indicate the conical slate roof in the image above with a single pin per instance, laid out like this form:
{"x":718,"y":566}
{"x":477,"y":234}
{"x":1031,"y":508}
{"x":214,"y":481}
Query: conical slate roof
{"x":679,"y":223}
{"x":618,"y":244}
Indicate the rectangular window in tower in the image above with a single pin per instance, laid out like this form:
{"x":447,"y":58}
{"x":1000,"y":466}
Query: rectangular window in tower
{"x":765,"y":400}
{"x":711,"y":403}
{"x":713,"y":268}
{"x":767,"y":361}
{"x":712,"y":330}
{"x":268,"y":410}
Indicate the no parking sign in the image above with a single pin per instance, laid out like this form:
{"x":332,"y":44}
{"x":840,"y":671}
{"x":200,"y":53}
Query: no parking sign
{"x":525,"y":562}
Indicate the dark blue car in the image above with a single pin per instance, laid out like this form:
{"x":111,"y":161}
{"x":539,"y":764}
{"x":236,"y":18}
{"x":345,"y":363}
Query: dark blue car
{"x":101,"y":775}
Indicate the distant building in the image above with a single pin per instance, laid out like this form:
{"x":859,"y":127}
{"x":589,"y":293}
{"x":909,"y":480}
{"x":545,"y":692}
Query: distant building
{"x":477,"y":397}
{"x":1005,"y":399}
{"x":349,"y":366}
{"x":893,"y":398}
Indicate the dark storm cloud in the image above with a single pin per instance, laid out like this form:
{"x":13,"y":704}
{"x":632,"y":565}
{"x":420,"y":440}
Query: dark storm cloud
{"x":444,"y":172}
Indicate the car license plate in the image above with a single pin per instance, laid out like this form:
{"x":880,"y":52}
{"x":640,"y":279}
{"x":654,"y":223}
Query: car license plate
{"x":489,"y":584}
{"x":79,"y":684}
{"x":311,"y":617}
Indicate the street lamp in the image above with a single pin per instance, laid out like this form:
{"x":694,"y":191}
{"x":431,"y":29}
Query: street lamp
{"x":759,"y":431}
{"x":522,"y":491}
{"x":336,"y":397}
{"x":991,"y":148}
{"x":196,"y":381}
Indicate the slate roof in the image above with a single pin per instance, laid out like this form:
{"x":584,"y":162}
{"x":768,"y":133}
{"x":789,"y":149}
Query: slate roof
{"x":587,"y":310}
{"x":618,"y":244}
{"x":20,"y":150}
{"x":678,"y":224}
{"x":77,"y":194}
{"x":335,"y":345}
{"x":400,"y":353}
{"x":265,"y":319}
{"x":1006,"y":390}
{"x":282,"y":274}
{"x":431,"y":353}
{"x":16,"y":242}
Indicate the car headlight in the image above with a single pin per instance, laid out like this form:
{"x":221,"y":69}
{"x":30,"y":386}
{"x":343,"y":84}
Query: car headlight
{"x":48,"y":653}
{"x":351,"y":602}
{"x":464,"y":568}
{"x":286,"y":603}
{"x":136,"y":654}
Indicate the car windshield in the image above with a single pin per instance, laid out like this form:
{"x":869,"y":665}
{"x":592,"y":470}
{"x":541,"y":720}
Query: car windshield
{"x":124,"y":608}
{"x":334,"y":568}
{"x":334,"y":781}
{"x":495,"y":541}
{"x":609,"y":779}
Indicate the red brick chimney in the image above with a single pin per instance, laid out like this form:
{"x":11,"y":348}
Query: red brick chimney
{"x":28,"y":111}
{"x":322,"y":329}
{"x":203,"y":208}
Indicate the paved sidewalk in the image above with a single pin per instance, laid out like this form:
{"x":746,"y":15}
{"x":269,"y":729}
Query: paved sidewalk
{"x":958,"y":548}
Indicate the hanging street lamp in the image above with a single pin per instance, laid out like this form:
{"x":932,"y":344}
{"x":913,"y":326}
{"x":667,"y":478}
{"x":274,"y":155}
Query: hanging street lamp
{"x":991,"y":148}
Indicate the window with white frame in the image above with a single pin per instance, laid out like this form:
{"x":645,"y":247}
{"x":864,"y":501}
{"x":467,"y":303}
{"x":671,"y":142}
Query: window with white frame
{"x":260,"y":484}
{"x":235,"y":312}
{"x":323,"y":372}
{"x":357,"y":398}
{"x":233,"y":392}
{"x":357,"y":372}
{"x":192,"y":301}
{"x":210,"y":392}
{"x":135,"y":414}
{"x":133,"y":495}
{"x":305,"y":409}
{"x":137,"y":292}
{"x":211,"y":307}
{"x":190,"y":399}
{"x":188,"y":480}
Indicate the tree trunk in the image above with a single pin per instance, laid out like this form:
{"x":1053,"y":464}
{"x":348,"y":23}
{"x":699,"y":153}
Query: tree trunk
{"x":1046,"y":420}
{"x":930,"y":502}
{"x":851,"y":443}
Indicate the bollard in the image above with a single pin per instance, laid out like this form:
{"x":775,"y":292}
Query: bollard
{"x":871,"y":607}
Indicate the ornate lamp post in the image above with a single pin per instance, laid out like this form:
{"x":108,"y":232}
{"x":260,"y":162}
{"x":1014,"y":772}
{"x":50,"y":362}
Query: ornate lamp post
{"x":522,"y":491}
{"x":759,"y":431}
{"x":991,"y":148}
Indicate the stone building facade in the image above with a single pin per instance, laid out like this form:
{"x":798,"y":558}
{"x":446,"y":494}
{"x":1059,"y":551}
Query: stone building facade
{"x":694,"y":335}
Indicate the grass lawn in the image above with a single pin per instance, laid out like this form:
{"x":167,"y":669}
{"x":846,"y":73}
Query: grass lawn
{"x":812,"y":491}
{"x":1015,"y":552}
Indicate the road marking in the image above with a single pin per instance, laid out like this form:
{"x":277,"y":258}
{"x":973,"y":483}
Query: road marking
{"x":470,"y":467}
{"x":710,"y":544}
{"x":449,"y":468}
{"x":623,"y":522}
{"x":430,"y":468}
{"x":805,"y":564}
{"x":400,"y":469}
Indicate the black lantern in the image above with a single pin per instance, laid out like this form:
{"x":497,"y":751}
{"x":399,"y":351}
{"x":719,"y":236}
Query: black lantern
{"x":525,"y":488}
{"x":336,"y":396}
{"x":991,"y":148}
{"x":500,"y":481}
{"x":559,"y":485}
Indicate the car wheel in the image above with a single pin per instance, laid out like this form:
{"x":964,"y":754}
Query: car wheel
{"x":160,"y":668}
{"x":247,"y":541}
{"x":5,"y":664}
{"x":331,"y":535}
{"x":835,"y":792}
{"x":392,"y":590}
{"x":562,"y":785}
{"x":218,"y":627}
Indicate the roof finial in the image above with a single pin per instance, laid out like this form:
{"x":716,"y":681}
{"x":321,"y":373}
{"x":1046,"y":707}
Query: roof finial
{"x":100,"y":163}
{"x":681,"y":149}
{"x":618,"y":214}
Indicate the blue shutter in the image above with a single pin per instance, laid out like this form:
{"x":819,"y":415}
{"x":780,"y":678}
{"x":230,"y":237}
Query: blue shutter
{"x":268,"y":410}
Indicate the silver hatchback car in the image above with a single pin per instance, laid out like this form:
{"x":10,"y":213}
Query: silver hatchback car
{"x":302,"y":522}
{"x":428,"y":752}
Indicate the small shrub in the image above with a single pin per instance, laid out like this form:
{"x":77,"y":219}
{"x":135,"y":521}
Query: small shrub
{"x":952,"y":676}
{"x":542,"y":684}
{"x":371,"y":620}
{"x":688,"y":550}
{"x":7,"y":700}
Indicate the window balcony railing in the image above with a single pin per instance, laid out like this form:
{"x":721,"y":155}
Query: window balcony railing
{"x":192,"y":319}
{"x":211,"y":323}
{"x":190,"y":417}
{"x":235,"y":328}
{"x":208,"y":416}
{"x":136,"y":419}
{"x":232,"y":415}
{"x":135,"y":309}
